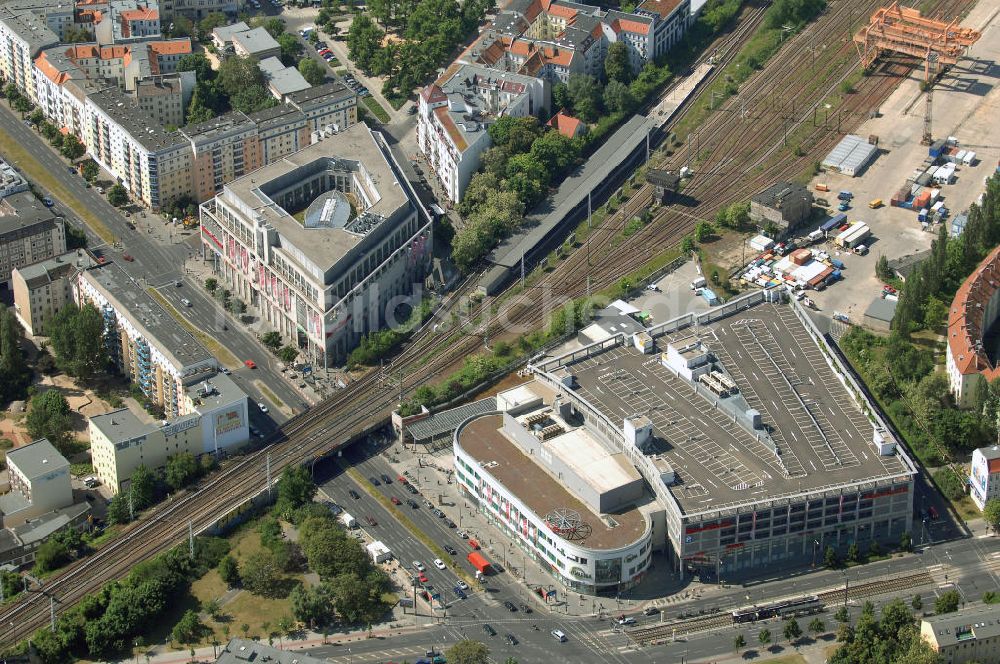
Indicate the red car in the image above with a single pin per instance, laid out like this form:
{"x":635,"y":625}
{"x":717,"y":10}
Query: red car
{"x":324,"y":51}
{"x":395,"y":500}
{"x":250,"y":364}
{"x":933,"y":512}
{"x":422,"y":578}
{"x":127,"y":257}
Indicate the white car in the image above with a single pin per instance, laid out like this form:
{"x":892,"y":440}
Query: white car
{"x":263,"y":408}
{"x":439,"y":563}
{"x":419,"y":566}
{"x":628,"y":620}
{"x":462,"y":584}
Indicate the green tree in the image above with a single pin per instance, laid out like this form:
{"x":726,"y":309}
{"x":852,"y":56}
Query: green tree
{"x":252,"y":99}
{"x":287,"y":354}
{"x":764,"y":637}
{"x":853,"y":552}
{"x":947,"y":602}
{"x":49,"y":417}
{"x":36,"y":117}
{"x":468,"y":651}
{"x":51,"y":555}
{"x":211,"y":22}
{"x":272,"y":340}
{"x":618,"y":97}
{"x":77,"y":340}
{"x":991,"y":514}
{"x":188,"y":629}
{"x":703,"y":230}
{"x":142,"y":488}
{"x":882,"y":270}
{"x":311,"y":71}
{"x":514,"y":134}
{"x":117,"y":195}
{"x":91,"y":171}
{"x":842,"y":615}
{"x":687,"y":244}
{"x":198,"y":110}
{"x":295,"y":488}
{"x":357,"y":599}
{"x":238,"y":74}
{"x":199,"y":64}
{"x":556,"y":153}
{"x":229,"y":571}
{"x":364,"y":39}
{"x":118,"y":509}
{"x":260,"y":573}
{"x":586,"y":94}
{"x":14,"y":372}
{"x":72,"y":148}
{"x":616,"y":63}
{"x":792,"y":631}
{"x":739,"y":643}
{"x":817,"y":626}
{"x":561,"y":98}
{"x":312,"y":606}
{"x":329,"y":551}
{"x":830,"y":557}
{"x":917,"y":603}
{"x":274,"y":25}
{"x":291,"y":50}
{"x":75,"y":34}
{"x":181,"y":470}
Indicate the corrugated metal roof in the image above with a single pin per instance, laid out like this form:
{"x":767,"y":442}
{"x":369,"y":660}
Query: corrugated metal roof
{"x":447,"y":421}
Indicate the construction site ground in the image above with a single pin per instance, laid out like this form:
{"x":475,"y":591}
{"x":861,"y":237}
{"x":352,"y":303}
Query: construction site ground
{"x":966,"y":103}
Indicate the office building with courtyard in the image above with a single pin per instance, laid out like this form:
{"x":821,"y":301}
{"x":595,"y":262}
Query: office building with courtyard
{"x":322,"y":243}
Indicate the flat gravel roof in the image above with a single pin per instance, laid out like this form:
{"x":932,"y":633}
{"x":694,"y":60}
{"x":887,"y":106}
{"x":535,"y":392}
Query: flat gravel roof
{"x":539,"y":491}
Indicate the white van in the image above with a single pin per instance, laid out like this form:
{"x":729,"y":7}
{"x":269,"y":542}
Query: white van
{"x":559,"y":634}
{"x":186,"y":302}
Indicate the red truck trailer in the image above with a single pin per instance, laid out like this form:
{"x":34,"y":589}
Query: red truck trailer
{"x":480,"y":562}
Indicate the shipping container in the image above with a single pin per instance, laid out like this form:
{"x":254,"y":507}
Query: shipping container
{"x":761,"y":243}
{"x":822,"y":187}
{"x":960,"y":157}
{"x":854,"y":236}
{"x":837,"y":263}
{"x":709,"y":296}
{"x":922,"y":215}
{"x":833,"y":222}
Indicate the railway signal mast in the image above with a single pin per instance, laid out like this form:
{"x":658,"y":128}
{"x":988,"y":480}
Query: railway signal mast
{"x":905,"y":30}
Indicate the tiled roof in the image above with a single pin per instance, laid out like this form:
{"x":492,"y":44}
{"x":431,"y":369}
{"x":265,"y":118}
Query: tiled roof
{"x":51,"y":73}
{"x":966,"y":326}
{"x":565,"y":124}
{"x":449,"y":125}
{"x":144,"y":14}
{"x":171,"y":47}
{"x":630,"y":26}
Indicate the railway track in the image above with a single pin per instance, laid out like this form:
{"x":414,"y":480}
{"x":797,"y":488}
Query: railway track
{"x":354,"y":411}
{"x":646,"y":636}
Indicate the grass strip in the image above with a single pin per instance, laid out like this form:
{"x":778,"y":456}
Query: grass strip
{"x":409,"y":525}
{"x":273,"y":397}
{"x":25,"y":161}
{"x":221,"y":352}
{"x":376,"y":109}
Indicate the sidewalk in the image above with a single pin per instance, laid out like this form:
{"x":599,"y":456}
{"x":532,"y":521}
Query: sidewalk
{"x":306,"y":641}
{"x":432,"y":474}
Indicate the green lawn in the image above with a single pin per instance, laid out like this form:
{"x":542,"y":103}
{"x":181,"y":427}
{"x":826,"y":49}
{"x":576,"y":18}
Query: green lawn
{"x":376,"y":109}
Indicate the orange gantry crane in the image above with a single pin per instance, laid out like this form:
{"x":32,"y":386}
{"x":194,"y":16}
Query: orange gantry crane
{"x":905,"y":30}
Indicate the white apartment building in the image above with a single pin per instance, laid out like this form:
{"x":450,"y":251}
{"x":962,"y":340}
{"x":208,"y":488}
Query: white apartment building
{"x":217,"y":421}
{"x":144,"y":341}
{"x":984,"y":475}
{"x":29,"y":233}
{"x":455,"y":112}
{"x":38,"y":478}
{"x":322,"y":282}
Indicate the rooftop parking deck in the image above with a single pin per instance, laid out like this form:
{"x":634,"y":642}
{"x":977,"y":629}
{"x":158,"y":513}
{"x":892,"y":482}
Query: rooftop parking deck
{"x":823,"y":436}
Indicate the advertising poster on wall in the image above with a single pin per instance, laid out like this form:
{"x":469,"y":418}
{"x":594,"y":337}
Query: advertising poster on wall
{"x":227,"y":421}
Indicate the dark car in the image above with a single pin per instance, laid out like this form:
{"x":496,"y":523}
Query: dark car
{"x":371,"y":521}
{"x":412,"y":503}
{"x":412,"y":489}
{"x":438,"y":513}
{"x":650,"y":611}
{"x":509,"y":605}
{"x":488,"y":629}
{"x":374,"y":481}
{"x":450,"y":523}
{"x":354,"y":494}
{"x":321,"y":45}
{"x":386,"y":479}
{"x":525,"y":608}
{"x":459,"y":593}
{"x":511,"y":639}
{"x":450,"y":550}
{"x":336,"y":509}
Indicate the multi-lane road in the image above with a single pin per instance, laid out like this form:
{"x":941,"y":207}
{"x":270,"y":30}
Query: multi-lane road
{"x":157,"y":264}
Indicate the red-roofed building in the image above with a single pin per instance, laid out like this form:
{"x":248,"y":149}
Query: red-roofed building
{"x":984,"y":476}
{"x":567,"y":125}
{"x":973,"y":310}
